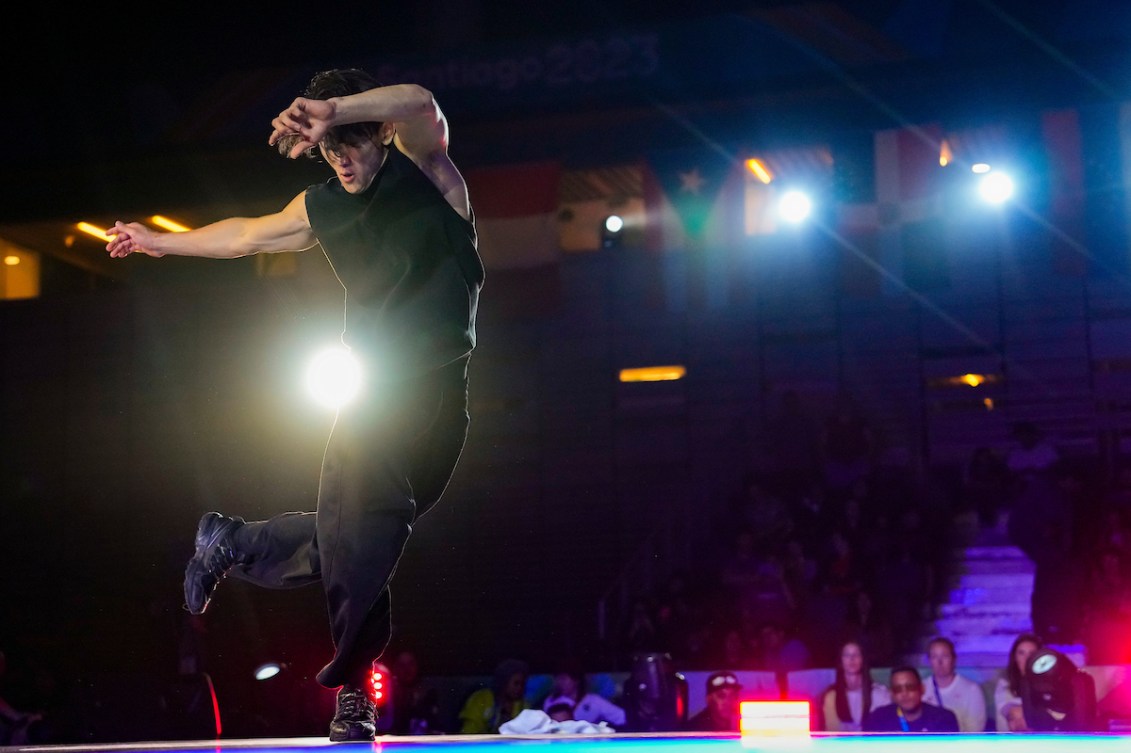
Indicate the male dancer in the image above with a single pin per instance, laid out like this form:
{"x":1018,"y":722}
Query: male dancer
{"x":396,"y":224}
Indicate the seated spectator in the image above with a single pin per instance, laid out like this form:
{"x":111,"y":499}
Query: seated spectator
{"x":416,"y":705}
{"x":1056,"y":695}
{"x":721,"y":713}
{"x":908,"y":713}
{"x":947,"y":689}
{"x":778,"y":651}
{"x":488,"y":708}
{"x":1009,"y":715}
{"x":1032,"y":452}
{"x":868,"y":621}
{"x":853,"y":694}
{"x":569,"y":689}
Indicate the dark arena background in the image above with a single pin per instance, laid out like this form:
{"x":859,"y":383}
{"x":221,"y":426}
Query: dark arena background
{"x":803,"y":322}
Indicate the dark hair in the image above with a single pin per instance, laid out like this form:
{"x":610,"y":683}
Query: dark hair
{"x":338,"y":82}
{"x":1012,"y":673}
{"x":840,"y":685}
{"x":905,"y":668}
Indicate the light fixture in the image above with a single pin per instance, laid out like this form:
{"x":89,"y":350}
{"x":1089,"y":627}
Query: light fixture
{"x":333,"y":377}
{"x":267,"y":670}
{"x":611,"y":229}
{"x":795,"y":206}
{"x":995,"y":187}
{"x":653,"y":374}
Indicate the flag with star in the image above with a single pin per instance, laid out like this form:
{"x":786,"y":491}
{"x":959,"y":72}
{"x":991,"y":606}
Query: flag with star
{"x":691,"y":197}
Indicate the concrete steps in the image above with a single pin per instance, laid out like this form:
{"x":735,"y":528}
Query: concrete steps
{"x":989,"y":585}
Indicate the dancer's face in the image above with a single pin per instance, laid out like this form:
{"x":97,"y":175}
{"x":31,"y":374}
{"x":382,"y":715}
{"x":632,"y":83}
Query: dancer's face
{"x":355,"y":164}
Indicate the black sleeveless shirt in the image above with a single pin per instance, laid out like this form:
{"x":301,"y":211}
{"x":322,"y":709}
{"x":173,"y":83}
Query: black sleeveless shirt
{"x":409,"y":266}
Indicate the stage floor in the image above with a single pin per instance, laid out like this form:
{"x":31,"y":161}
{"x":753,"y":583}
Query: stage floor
{"x":649,"y":743}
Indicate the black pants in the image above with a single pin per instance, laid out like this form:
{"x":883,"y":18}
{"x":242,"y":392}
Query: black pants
{"x":388,"y":460}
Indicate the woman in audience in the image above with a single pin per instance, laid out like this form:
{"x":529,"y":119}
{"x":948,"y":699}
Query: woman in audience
{"x":853,"y":694}
{"x":1007,"y":693}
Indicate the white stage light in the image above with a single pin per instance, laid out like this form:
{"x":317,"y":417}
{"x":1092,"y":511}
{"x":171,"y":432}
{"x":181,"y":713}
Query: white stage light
{"x":333,"y":377}
{"x":795,"y":206}
{"x":995,"y":187}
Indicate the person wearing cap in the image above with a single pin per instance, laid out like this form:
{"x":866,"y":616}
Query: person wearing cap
{"x":721,"y":713}
{"x":908,"y":713}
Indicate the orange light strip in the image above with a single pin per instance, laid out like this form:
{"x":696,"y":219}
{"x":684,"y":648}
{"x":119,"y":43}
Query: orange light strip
{"x":761,"y":172}
{"x":94,"y":230}
{"x":167,"y":224}
{"x":653,"y":374}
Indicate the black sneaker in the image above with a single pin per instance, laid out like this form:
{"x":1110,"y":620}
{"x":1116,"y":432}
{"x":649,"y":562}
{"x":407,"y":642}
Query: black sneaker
{"x":356,"y":717}
{"x":214,"y":557}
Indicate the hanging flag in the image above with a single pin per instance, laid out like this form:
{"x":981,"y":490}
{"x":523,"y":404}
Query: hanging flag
{"x":897,"y":241}
{"x":689,"y":195}
{"x":516,"y":222}
{"x":693,"y":204}
{"x":516,"y":214}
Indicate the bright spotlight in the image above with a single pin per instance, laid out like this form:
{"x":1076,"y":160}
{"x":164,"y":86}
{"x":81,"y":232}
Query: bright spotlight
{"x":795,"y":206}
{"x":268,"y":670}
{"x":333,"y":377}
{"x":611,"y":231}
{"x":995,"y":187}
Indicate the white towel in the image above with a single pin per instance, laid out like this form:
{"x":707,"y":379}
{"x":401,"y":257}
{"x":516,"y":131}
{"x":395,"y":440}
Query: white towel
{"x":534,"y":722}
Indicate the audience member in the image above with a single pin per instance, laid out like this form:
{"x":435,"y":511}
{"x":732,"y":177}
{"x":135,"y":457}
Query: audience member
{"x":488,"y":708}
{"x":779,"y":650}
{"x":756,"y":580}
{"x":868,"y":622}
{"x":416,"y":705}
{"x":853,"y":693}
{"x":734,"y":651}
{"x":790,"y":452}
{"x":1009,"y":715}
{"x":1056,"y":695}
{"x":722,"y":711}
{"x":570,"y":689}
{"x":947,"y":689}
{"x":908,"y":713}
{"x":1032,"y":452}
{"x":1041,"y":525}
{"x":985,"y":485}
{"x":847,"y":445}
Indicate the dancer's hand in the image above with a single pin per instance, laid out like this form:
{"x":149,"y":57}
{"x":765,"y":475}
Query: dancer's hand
{"x":131,"y":238}
{"x":302,"y":125}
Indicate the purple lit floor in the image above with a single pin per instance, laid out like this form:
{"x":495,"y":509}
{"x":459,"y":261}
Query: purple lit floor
{"x":658,"y":743}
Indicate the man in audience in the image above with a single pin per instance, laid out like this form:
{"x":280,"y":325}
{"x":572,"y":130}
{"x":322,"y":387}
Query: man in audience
{"x":947,"y":689}
{"x":908,"y":713}
{"x":722,"y":712}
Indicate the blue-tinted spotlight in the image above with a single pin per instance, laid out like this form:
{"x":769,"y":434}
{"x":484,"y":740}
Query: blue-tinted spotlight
{"x":995,"y":188}
{"x":795,"y":207}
